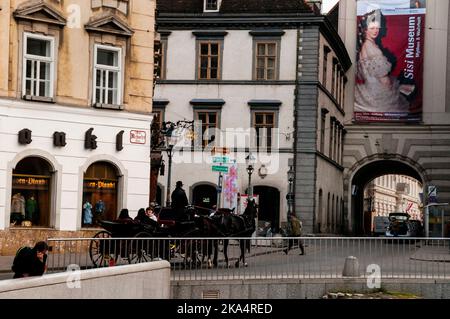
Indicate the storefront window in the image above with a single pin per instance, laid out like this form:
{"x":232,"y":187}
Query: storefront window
{"x":31,"y":185}
{"x":99,"y":194}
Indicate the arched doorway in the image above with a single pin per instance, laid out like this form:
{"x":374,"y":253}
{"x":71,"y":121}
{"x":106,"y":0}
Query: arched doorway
{"x":100,"y":185}
{"x":359,"y":219}
{"x":269,"y":205}
{"x":204,"y":195}
{"x":31,"y":204}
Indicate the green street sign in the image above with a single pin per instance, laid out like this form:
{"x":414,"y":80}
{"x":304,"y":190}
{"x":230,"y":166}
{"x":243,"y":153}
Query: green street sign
{"x":221,"y":159}
{"x":222,"y":169}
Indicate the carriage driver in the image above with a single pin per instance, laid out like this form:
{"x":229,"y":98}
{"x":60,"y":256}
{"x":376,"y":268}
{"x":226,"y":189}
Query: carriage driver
{"x":179,"y":200}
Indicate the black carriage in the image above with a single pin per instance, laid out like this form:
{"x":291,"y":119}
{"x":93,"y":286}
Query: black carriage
{"x":136,"y":242}
{"x":129,"y":241}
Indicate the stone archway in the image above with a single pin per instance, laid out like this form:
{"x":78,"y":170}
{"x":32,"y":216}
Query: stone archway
{"x":360,"y":174}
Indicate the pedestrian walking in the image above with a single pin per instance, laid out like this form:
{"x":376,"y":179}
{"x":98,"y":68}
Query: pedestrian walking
{"x":294,"y":230}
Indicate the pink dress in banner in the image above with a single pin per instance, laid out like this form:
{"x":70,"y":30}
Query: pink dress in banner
{"x":371,"y":94}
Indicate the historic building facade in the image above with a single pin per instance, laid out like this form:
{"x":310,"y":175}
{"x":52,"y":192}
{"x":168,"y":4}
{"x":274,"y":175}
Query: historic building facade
{"x":420,"y":150}
{"x":271,"y":75}
{"x":76,"y":83}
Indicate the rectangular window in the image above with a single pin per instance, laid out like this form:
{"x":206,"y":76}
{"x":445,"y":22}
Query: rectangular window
{"x":38,"y":65}
{"x":330,"y":152}
{"x":209,"y":122}
{"x":159,"y":116}
{"x":326,"y":50}
{"x":211,"y":5}
{"x":322,"y":133}
{"x":266,"y":61}
{"x":209,"y":60}
{"x":333,"y":79}
{"x":264,"y":122}
{"x":160,"y":47}
{"x":107,"y":75}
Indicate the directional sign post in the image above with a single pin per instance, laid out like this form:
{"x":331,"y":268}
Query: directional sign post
{"x":221,"y":159}
{"x":222,"y":169}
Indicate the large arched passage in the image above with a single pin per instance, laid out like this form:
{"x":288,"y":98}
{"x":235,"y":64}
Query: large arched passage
{"x":362,"y":177}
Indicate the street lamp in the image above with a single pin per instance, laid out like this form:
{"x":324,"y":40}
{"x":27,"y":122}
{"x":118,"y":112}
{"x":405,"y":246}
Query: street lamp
{"x":171,"y":140}
{"x":250,"y":161}
{"x":171,"y":133}
{"x":290,"y":195}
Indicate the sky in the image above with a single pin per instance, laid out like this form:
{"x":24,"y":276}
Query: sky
{"x":328,"y":4}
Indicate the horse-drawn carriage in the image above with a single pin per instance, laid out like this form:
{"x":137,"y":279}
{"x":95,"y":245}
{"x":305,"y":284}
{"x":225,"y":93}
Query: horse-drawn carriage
{"x":137,"y":242}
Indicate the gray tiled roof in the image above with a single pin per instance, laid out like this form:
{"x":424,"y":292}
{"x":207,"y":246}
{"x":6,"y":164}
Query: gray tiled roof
{"x":235,"y":6}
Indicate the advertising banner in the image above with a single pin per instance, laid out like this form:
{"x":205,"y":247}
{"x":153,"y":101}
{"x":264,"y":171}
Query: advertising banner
{"x":389,"y":62}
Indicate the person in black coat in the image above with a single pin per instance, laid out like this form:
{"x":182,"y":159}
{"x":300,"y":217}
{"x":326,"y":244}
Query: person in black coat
{"x":179,"y":200}
{"x":30,"y":261}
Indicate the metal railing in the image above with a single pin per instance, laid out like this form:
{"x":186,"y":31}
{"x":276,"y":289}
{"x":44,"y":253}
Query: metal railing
{"x":266,"y":258}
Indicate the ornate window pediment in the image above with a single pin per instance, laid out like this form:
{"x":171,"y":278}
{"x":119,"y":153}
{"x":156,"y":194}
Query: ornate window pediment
{"x":41,"y":12}
{"x":109,"y":24}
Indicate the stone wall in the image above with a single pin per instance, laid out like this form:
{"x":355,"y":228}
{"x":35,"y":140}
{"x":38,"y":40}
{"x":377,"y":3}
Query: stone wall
{"x":14,"y":238}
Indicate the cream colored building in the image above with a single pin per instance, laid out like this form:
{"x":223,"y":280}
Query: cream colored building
{"x":393,"y":193}
{"x":76,"y":85}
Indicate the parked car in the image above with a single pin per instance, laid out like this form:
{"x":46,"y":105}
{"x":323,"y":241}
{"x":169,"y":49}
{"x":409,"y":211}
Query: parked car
{"x":399,"y":225}
{"x":380,"y":225}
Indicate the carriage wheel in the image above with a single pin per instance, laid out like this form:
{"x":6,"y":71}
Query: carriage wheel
{"x":139,"y":251}
{"x":102,"y":252}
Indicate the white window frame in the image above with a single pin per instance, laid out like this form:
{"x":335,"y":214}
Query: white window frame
{"x":117,"y":69}
{"x":51,"y":60}
{"x":209,"y":10}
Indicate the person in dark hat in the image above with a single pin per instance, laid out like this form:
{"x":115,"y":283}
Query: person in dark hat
{"x":179,"y":200}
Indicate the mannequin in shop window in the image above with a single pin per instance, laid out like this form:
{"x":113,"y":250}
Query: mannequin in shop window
{"x":100,"y":209}
{"x":17,"y":208}
{"x":87,"y":213}
{"x":31,"y":209}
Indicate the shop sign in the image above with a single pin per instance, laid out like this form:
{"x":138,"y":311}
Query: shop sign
{"x":138,"y":137}
{"x":29,"y":181}
{"x":100,"y":184}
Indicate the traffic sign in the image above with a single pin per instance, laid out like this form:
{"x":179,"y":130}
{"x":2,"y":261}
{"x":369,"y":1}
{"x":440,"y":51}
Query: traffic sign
{"x":220,"y":150}
{"x":222,"y":169}
{"x":221,"y":159}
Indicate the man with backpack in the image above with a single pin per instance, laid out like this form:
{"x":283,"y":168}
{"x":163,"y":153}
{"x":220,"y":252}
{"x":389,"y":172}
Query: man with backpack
{"x":294,"y":230}
{"x":30,"y":261}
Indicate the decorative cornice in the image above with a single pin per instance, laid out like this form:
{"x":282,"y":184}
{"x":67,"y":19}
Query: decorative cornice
{"x":164,"y":33}
{"x":267,"y":33}
{"x":209,"y":33}
{"x":28,"y":13}
{"x":264,"y":104}
{"x":99,"y":24}
{"x":160,"y":103}
{"x":207,"y":103}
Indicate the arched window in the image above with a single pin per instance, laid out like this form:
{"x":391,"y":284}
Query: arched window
{"x":100,"y":193}
{"x":31,"y":193}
